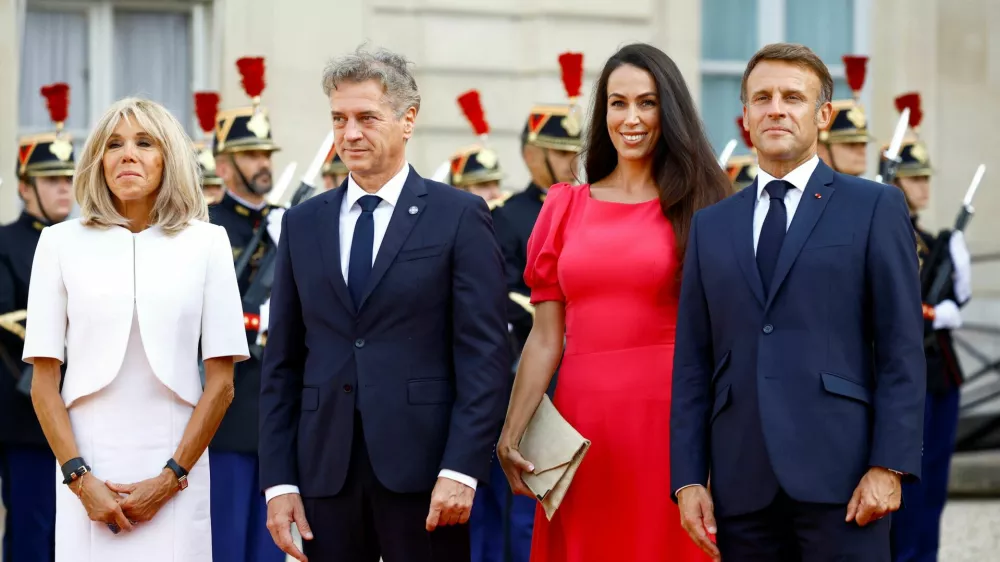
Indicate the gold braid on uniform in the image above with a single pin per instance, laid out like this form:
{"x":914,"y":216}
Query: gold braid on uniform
{"x":523,"y":301}
{"x":498,"y":202}
{"x":9,"y":322}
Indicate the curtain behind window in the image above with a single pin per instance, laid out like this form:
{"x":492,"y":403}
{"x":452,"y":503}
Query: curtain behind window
{"x":728,"y":33}
{"x":53,"y":49}
{"x":152,"y":59}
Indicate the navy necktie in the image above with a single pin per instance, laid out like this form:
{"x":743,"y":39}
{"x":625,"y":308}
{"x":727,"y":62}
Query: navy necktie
{"x":362,"y":246}
{"x":772,"y":234}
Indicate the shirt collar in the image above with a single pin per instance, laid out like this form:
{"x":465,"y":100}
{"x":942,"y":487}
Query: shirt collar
{"x":799,"y":177}
{"x":388,"y":192}
{"x":246,"y":203}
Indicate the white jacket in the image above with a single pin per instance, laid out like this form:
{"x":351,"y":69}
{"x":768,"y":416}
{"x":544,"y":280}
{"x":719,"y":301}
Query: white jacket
{"x":86,"y":282}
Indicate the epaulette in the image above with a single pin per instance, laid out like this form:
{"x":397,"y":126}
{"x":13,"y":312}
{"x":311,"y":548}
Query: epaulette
{"x":497,"y":203}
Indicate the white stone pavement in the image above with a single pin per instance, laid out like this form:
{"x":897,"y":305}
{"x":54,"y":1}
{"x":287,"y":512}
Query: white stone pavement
{"x":971,"y":530}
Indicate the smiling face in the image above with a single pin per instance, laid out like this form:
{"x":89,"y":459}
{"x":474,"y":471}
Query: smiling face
{"x":370,"y":138}
{"x":781,"y":113}
{"x":132,"y":162}
{"x":633,"y":112}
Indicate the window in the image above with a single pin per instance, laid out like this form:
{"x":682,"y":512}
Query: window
{"x":109,"y":49}
{"x":733,"y":30}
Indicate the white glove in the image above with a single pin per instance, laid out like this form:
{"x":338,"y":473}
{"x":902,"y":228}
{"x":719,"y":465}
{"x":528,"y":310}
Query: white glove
{"x":265,"y":310}
{"x":947,"y":316}
{"x":962,"y":262}
{"x":274,"y":223}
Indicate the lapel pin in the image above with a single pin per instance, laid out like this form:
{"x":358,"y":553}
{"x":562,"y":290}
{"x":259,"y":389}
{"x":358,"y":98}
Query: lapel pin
{"x":818,"y":196}
{"x":413,"y":210}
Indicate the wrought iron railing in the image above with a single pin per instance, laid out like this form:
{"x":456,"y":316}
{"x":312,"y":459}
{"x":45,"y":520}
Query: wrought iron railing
{"x":979,"y":427}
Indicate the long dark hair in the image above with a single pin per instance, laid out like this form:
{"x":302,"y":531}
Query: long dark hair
{"x":686,"y":170}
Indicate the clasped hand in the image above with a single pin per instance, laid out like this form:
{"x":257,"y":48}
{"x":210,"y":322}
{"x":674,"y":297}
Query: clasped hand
{"x":125,"y":505}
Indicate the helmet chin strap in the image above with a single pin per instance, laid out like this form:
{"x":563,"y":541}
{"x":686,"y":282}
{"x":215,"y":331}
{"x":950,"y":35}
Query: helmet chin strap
{"x":829,"y":152}
{"x":251,"y":187}
{"x":38,"y":199}
{"x":548,"y":166}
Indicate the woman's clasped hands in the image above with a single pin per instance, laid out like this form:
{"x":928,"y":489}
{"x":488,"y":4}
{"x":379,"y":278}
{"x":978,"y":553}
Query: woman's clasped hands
{"x":122,"y":506}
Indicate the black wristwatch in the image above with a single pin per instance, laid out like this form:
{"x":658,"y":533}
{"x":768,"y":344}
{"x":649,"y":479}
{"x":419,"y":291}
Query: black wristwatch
{"x":178,"y":470}
{"x":74,"y":469}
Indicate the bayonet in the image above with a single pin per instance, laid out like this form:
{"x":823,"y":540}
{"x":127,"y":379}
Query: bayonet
{"x":890,"y":161}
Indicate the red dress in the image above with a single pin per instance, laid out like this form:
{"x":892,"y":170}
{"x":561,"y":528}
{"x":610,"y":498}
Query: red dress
{"x":615,"y":266}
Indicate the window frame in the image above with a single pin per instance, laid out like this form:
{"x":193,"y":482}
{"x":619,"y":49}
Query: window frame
{"x":100,"y":42}
{"x":771,"y":29}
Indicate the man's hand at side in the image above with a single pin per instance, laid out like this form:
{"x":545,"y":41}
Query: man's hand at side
{"x":698,"y":518}
{"x":878,"y":494}
{"x":282,"y":511}
{"x":451,"y":504}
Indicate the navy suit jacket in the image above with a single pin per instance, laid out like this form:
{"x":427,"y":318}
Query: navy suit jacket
{"x":817,"y":381}
{"x":424,"y":359}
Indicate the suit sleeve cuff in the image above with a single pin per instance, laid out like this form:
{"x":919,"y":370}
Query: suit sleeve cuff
{"x":280,"y":490}
{"x":682,"y":487}
{"x":459,"y":477}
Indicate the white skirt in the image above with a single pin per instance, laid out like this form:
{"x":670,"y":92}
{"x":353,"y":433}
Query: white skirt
{"x":126,"y":432}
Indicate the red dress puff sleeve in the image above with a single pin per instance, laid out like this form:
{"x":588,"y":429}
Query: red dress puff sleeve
{"x":541,"y":273}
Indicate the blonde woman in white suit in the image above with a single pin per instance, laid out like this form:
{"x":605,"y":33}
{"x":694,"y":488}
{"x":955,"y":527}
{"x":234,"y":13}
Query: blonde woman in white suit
{"x":131,"y":292}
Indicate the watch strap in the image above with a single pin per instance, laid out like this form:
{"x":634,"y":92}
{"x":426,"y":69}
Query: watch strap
{"x":179,"y":472}
{"x":74,"y":469}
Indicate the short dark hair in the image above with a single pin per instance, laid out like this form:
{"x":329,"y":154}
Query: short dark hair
{"x":796,"y":54}
{"x":685,"y":168}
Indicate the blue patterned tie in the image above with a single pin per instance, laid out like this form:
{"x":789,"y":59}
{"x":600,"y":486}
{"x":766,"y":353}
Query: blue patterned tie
{"x":772,"y":234}
{"x":362,"y":246}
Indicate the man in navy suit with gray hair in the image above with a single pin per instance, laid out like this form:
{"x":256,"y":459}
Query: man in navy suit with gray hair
{"x":799,"y":367}
{"x":384,"y":377}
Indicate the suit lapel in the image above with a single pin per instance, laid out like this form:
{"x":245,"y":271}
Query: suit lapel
{"x":328,"y":216}
{"x":400,"y":225}
{"x":742,"y":237}
{"x":814,"y":199}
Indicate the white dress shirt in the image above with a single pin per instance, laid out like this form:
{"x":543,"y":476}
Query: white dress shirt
{"x":798,"y":177}
{"x":350,"y":210}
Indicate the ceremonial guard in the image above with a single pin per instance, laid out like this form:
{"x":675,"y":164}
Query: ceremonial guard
{"x":742,"y":169}
{"x":916,"y":528}
{"x":843,"y":144}
{"x":243,"y":148}
{"x":334,"y":170}
{"x":550,"y":143}
{"x":27,"y":466}
{"x":475,"y":168}
{"x":206,"y":105}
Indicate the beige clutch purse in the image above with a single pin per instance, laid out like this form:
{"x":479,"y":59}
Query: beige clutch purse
{"x":556,"y":450}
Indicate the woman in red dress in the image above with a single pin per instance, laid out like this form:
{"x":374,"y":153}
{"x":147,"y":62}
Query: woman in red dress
{"x":604,"y":269}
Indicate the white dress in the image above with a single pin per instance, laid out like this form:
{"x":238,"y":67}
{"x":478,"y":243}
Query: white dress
{"x":133,"y":309}
{"x":132,"y":426}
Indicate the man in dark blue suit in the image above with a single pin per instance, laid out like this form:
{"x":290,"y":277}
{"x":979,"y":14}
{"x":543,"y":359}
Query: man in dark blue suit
{"x":799,"y":370}
{"x":384,"y":378}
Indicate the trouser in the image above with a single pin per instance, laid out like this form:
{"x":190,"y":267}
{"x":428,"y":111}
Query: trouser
{"x":916,"y":527}
{"x":501,"y":522}
{"x":28,"y":478}
{"x":239,"y":511}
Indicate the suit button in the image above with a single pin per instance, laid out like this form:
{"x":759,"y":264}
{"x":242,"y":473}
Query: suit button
{"x":768,"y":328}
{"x":359,"y":343}
{"x":348,"y":388}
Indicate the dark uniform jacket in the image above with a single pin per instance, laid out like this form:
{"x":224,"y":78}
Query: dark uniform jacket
{"x":513,"y":222}
{"x":18,"y":423}
{"x":238,"y":431}
{"x":944,"y":372}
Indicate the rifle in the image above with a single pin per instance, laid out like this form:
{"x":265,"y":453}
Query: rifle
{"x":943,"y":273}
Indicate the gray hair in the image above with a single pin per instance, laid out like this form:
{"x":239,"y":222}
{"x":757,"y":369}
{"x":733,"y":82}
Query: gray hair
{"x":388,"y":68}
